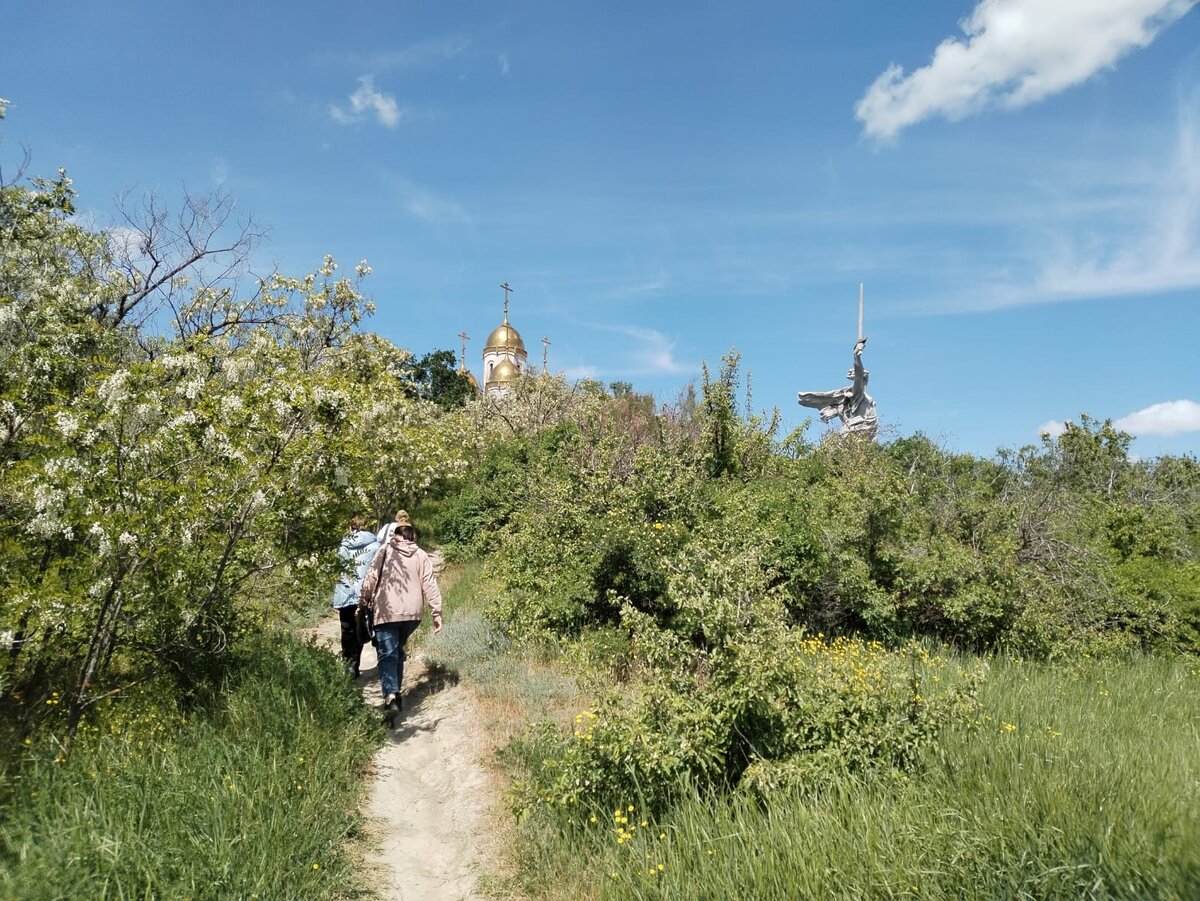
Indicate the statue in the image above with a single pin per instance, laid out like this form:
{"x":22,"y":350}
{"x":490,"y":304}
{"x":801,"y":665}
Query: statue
{"x":851,"y":404}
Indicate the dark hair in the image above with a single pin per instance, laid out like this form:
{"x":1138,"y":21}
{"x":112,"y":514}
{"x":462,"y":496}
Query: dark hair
{"x":408,"y":533}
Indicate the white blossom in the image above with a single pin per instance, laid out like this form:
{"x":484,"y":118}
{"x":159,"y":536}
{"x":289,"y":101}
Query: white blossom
{"x":114,"y":389}
{"x":67,"y":424}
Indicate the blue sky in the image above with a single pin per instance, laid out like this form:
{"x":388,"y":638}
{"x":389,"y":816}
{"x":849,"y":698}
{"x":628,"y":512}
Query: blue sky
{"x":1016,"y":183}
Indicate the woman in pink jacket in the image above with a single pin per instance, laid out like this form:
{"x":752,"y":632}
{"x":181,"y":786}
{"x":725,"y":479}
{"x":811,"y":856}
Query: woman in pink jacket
{"x":398,"y":585}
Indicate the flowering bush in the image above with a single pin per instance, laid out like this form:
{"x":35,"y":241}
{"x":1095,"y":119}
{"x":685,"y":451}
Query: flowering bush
{"x":777,"y":708}
{"x":153,"y":479}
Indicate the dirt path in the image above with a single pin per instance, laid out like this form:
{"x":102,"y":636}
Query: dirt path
{"x":431,"y":797}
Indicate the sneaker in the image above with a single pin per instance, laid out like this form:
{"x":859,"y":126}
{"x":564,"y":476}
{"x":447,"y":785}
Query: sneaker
{"x":391,"y":709}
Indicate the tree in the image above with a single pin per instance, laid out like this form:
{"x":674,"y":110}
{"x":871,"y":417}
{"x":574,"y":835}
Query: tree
{"x":434,"y":377}
{"x":156,"y":470}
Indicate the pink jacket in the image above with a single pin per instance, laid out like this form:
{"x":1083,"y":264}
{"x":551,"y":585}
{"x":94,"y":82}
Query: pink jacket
{"x":399,"y":583}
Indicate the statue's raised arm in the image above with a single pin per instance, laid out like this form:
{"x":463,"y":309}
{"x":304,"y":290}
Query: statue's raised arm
{"x":852,"y":404}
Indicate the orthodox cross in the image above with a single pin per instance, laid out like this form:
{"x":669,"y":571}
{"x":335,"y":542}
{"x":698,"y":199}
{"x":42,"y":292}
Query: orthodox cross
{"x":545,"y":352}
{"x":462,"y":366}
{"x":507,"y":290}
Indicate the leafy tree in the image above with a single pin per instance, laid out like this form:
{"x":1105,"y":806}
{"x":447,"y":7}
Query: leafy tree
{"x":169,"y":482}
{"x":435,"y":377}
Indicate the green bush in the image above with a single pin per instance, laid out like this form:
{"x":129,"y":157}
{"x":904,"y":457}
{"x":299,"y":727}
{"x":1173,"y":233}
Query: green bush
{"x":768,"y":707}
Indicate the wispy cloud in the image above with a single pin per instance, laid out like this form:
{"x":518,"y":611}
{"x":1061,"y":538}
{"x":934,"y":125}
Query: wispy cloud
{"x":504,"y":67}
{"x":1013,"y":53}
{"x":426,"y":205}
{"x":647,"y":352}
{"x":220,"y":171}
{"x":1141,"y":236}
{"x":650,"y":285}
{"x":411,"y":56}
{"x":1162,"y":253}
{"x":366,"y":101}
{"x":575,"y":373}
{"x":125,"y":243}
{"x":1173,"y":417}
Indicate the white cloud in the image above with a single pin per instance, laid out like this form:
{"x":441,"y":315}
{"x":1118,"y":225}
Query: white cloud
{"x":1053,"y":428}
{"x":1015,"y":52}
{"x":423,"y":204}
{"x":220,"y":171}
{"x":504,"y":67}
{"x":1138,"y":234}
{"x":366,"y":101}
{"x":652,"y":284}
{"x":1163,"y":253}
{"x":1170,"y":418}
{"x":647,"y":352}
{"x":657,"y":353}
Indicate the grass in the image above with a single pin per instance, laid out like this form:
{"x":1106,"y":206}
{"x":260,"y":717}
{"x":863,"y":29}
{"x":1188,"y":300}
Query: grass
{"x":505,"y":672}
{"x":1080,"y":783}
{"x":253,"y":795}
{"x":1077,"y":781}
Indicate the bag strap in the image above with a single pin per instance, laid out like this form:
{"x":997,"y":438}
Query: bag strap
{"x":382,"y":563}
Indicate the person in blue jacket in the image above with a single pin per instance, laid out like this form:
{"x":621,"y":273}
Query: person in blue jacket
{"x":358,"y":547}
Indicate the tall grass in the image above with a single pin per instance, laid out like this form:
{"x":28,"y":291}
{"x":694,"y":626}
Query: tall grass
{"x":1080,"y":783}
{"x":503,"y":668}
{"x":253,"y":795}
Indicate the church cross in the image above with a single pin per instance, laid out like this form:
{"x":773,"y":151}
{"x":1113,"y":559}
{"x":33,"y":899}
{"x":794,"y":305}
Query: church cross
{"x":507,"y":291}
{"x":545,"y":353}
{"x":462,"y":366}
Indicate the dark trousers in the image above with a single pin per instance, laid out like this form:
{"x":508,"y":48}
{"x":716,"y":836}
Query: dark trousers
{"x":351,"y":646}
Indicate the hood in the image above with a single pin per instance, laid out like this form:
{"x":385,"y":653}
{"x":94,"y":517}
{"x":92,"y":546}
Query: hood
{"x":356,"y":541}
{"x":402,"y":545}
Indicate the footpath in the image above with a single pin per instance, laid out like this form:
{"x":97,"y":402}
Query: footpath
{"x":431,"y":799}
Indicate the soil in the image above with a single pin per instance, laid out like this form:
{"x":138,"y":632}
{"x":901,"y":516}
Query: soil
{"x":431,"y":799}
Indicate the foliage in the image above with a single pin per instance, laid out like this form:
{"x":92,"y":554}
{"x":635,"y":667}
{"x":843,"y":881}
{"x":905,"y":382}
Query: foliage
{"x":1076,"y":782}
{"x":723,"y":561}
{"x":774,"y":709}
{"x":434,"y":377}
{"x":252,"y":794}
{"x":154,"y":474}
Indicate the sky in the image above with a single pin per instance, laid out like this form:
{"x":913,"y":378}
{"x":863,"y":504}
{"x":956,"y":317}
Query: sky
{"x":1015,"y":183}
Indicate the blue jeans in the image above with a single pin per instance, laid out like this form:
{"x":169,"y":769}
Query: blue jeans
{"x":390,"y":639}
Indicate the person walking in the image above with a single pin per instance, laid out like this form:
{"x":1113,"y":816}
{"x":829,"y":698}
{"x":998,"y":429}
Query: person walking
{"x":358,"y":547}
{"x":398,"y":586}
{"x":384,"y":532}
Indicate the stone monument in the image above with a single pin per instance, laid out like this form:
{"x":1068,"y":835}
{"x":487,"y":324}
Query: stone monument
{"x":852,"y":405}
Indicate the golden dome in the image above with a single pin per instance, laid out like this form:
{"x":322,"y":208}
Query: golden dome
{"x":505,"y":373}
{"x":471,"y":378}
{"x":505,"y":337}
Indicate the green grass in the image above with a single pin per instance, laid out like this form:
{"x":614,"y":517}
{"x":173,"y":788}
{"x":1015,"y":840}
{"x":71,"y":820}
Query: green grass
{"x":1080,"y":783}
{"x":501,"y":668}
{"x":254,"y":795}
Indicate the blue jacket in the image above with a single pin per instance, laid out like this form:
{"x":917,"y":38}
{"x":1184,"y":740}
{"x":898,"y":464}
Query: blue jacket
{"x":359,"y":547}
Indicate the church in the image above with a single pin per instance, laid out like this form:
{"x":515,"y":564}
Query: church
{"x":505,"y":360}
